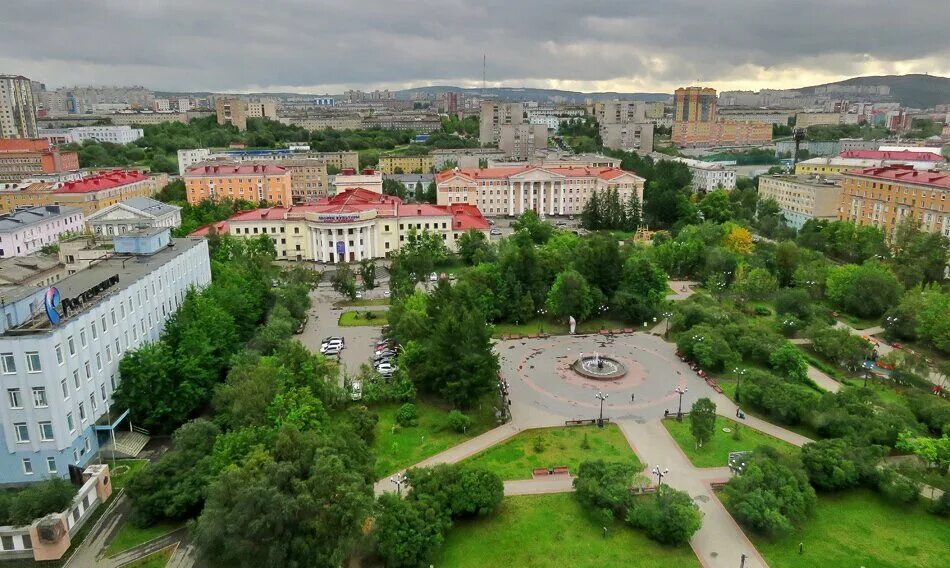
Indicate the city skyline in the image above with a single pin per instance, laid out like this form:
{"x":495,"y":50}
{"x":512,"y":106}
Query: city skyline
{"x":330,"y":46}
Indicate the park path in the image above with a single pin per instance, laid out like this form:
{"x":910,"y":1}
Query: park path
{"x":726,"y":407}
{"x":540,"y":485}
{"x":720,"y":542}
{"x":883,"y":348}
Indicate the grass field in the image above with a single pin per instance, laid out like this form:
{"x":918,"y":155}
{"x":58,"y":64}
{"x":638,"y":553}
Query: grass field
{"x":361,"y":303}
{"x":130,"y":536}
{"x":532,"y":531}
{"x":715,"y":452}
{"x":555,"y":328}
{"x":518,"y":456}
{"x":860,"y":528}
{"x":124,"y":469}
{"x":375,"y":318}
{"x":155,"y":560}
{"x":397,"y":447}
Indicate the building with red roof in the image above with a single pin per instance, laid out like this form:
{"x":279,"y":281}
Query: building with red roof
{"x":238,"y":181}
{"x":885,"y":196}
{"x":89,"y":193}
{"x":544,"y":189}
{"x":351,"y":226}
{"x":24,"y":157}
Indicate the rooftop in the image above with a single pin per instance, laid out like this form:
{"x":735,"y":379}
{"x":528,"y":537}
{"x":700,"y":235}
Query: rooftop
{"x":235,"y":170}
{"x":506,"y":172}
{"x":150,"y":206}
{"x":18,"y":270}
{"x":899,"y":155}
{"x":107,"y":180}
{"x":24,"y":217}
{"x":906,"y":174}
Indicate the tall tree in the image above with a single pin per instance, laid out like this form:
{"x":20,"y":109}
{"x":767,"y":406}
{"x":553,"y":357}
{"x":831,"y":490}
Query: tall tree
{"x":570,"y":296}
{"x":702,"y":420}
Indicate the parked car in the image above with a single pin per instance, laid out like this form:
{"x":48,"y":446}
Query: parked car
{"x":386,"y":294}
{"x":336,"y":343}
{"x":332,"y":350}
{"x":433,"y":277}
{"x":496,"y":231}
{"x":387,"y":369}
{"x":356,"y":391}
{"x":560,"y":223}
{"x":387,"y":354}
{"x":359,"y":295}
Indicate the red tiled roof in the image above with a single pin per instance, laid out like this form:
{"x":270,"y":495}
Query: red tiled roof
{"x":235,"y":169}
{"x":892,"y":155}
{"x":503,"y":173}
{"x":108,"y":180}
{"x":906,"y":174}
{"x":220,"y":227}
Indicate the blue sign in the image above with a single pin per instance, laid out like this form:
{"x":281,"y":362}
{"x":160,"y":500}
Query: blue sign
{"x":341,"y":248}
{"x":51,"y":301}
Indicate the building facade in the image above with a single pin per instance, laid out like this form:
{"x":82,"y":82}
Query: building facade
{"x":351,"y":226}
{"x":801,"y":198}
{"x":464,"y":157}
{"x":546,"y":190}
{"x":806,"y":119}
{"x":93,"y":193}
{"x":237,"y":181}
{"x":885,"y":196}
{"x":114,"y":134}
{"x":697,"y":124}
{"x":520,"y":141}
{"x":707,"y":176}
{"x":368,"y":179}
{"x":59,"y":378}
{"x":132,"y":214}
{"x":23,"y":158}
{"x":493,"y":116}
{"x":337,"y":160}
{"x":694,"y":104}
{"x":26,"y":230}
{"x":624,"y":125}
{"x":17,"y":108}
{"x":405,"y":164}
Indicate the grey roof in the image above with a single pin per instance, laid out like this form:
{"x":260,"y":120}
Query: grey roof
{"x":21,"y":218}
{"x":16,"y":270}
{"x":150,"y":206}
{"x":411,"y":178}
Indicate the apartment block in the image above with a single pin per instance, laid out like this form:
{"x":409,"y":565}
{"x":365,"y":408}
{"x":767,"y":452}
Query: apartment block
{"x":697,"y":124}
{"x":519,"y":141}
{"x":884,"y":196}
{"x":252,"y":182}
{"x":22,"y":158}
{"x":26,"y":230}
{"x":801,"y":198}
{"x":17,"y":108}
{"x":124,"y":134}
{"x":405,"y":164}
{"x":236,"y":111}
{"x":493,"y":116}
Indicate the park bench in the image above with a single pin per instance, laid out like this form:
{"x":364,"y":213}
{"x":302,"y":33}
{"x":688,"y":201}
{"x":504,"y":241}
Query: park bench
{"x":560,"y":470}
{"x":539,"y":471}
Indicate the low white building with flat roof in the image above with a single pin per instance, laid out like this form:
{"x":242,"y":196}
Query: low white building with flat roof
{"x":134,"y":213}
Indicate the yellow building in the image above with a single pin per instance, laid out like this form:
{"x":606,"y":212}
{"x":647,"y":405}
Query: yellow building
{"x":885,"y":196}
{"x":90,"y":193}
{"x":696,"y":123}
{"x":405,"y":164}
{"x":833,"y":167}
{"x":694,"y":104}
{"x":250,"y":182}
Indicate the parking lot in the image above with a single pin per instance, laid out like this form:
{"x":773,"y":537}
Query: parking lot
{"x":504,"y":224}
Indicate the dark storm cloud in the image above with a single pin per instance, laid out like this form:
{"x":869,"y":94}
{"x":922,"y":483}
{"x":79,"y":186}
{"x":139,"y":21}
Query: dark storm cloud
{"x":239,"y":44}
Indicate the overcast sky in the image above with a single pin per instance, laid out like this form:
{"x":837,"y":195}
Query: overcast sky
{"x":319,"y":46}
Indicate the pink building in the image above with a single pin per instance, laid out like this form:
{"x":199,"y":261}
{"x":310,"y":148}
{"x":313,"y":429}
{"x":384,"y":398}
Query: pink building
{"x":26,"y":230}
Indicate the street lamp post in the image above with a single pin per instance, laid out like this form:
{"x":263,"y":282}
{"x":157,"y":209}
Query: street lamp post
{"x":667,"y":316}
{"x":602,"y":397}
{"x":541,"y":314}
{"x":399,"y":479}
{"x":659,"y":474}
{"x":739,"y":374}
{"x":679,"y":412}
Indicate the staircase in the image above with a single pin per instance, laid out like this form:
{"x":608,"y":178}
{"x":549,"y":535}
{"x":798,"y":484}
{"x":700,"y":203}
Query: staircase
{"x":127,"y":444}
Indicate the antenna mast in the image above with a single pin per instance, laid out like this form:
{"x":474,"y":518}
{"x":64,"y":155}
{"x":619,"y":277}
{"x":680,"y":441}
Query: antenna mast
{"x":484,"y":66}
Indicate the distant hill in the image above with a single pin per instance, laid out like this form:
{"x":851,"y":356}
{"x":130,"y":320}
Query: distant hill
{"x":915,"y":91}
{"x":529,"y":94}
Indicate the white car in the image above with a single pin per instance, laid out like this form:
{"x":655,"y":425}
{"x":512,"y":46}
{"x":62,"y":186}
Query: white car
{"x":332,"y":351}
{"x":356,"y":391}
{"x":335,"y":344}
{"x":359,"y":295}
{"x":386,"y":294}
{"x":496,"y":232}
{"x":387,"y":369}
{"x":433,"y":277}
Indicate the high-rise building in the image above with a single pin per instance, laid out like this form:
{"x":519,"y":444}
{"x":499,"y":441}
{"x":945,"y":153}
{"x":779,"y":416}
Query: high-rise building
{"x":236,"y":111}
{"x":494,"y":115}
{"x":519,"y":141}
{"x":17,"y":109}
{"x":696,"y":123}
{"x":694,"y":104}
{"x":624,"y":125}
{"x":23,"y":158}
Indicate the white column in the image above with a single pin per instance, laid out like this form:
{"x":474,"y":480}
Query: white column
{"x":541,"y":199}
{"x":552,"y":206}
{"x":520,"y":198}
{"x":511,"y":198}
{"x":561,"y":196}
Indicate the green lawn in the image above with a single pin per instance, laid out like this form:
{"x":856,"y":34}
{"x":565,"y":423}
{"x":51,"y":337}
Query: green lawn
{"x":130,"y":536}
{"x":860,"y":528}
{"x":362,"y":302}
{"x":557,"y":328}
{"x":397,"y":447}
{"x":518,"y":456}
{"x":355,"y":319}
{"x":715,"y":453}
{"x":154,"y":560}
{"x":123,"y":471}
{"x":532,"y":531}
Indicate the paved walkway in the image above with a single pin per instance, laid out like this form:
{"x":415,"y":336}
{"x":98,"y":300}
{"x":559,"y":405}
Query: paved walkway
{"x":540,"y":485}
{"x":823,"y":380}
{"x":883,"y":348}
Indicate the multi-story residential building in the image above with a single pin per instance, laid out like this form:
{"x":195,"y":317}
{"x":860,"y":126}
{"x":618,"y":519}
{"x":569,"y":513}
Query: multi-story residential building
{"x":93,"y":193}
{"x":23,"y":158}
{"x":769,"y":115}
{"x":236,"y":111}
{"x":919,"y":160}
{"x":368,"y":179}
{"x":392,"y":164}
{"x":351,"y":226}
{"x":26,"y":230}
{"x":862,"y":159}
{"x":493,"y":116}
{"x":464,"y":157}
{"x":322,"y":121}
{"x":114,"y":134}
{"x":148,"y":117}
{"x":336,"y":160}
{"x":624,"y":125}
{"x":409,"y":120}
{"x":832,"y":167}
{"x":546,"y":190}
{"x":520,"y":141}
{"x":885,"y":196}
{"x":696,"y":123}
{"x":806,"y":119}
{"x":801,"y":198}
{"x":707,"y":176}
{"x":85,"y":100}
{"x":17,"y":108}
{"x":251,"y":182}
{"x":191,"y":157}
{"x":308,"y":177}
{"x":133,"y":214}
{"x":816,"y":148}
{"x":60,"y":349}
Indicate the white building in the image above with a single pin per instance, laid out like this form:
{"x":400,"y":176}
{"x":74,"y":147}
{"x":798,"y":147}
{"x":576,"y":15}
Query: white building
{"x":369,"y":179}
{"x":26,"y":230}
{"x":351,"y":226}
{"x":124,"y":134}
{"x":547,"y":190}
{"x":801,"y":198}
{"x":189,"y":158}
{"x":132,"y":214}
{"x":161,"y":105}
{"x":60,"y":349}
{"x":707,"y":176}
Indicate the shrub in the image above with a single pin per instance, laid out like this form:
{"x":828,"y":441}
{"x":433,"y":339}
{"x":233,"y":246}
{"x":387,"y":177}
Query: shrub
{"x":38,"y":500}
{"x":458,"y":421}
{"x":671,"y":517}
{"x":604,"y":485}
{"x":407,"y":415}
{"x":941,"y":506}
{"x":538,"y":444}
{"x":772,"y":495}
{"x":898,"y":488}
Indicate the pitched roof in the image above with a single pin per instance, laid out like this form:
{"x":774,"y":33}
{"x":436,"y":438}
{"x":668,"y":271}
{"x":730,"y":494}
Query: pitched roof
{"x":235,"y":170}
{"x":107,"y":180}
{"x":906,"y":174}
{"x":605,"y":173}
{"x":893,"y":155}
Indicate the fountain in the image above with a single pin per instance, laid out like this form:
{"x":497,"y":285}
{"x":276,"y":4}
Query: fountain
{"x":599,"y":367}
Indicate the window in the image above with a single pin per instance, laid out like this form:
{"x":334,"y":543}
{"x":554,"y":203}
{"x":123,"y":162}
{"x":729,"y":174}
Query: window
{"x":9,"y":363}
{"x":7,"y":541}
{"x":118,"y":351}
{"x":112,"y":381}
{"x":82,"y":337}
{"x":82,"y":412}
{"x":71,"y":344}
{"x":76,"y":378}
{"x":39,"y":397}
{"x":122,"y":310}
{"x":22,"y":432}
{"x":33,"y":364}
{"x":98,"y":362}
{"x":75,"y":460}
{"x":92,"y":328}
{"x":112,"y":314}
{"x":88,"y":447}
{"x":59,"y":354}
{"x":102,"y":322}
{"x":92,"y":402}
{"x":108,"y":353}
{"x":102,"y":391}
{"x":62,"y":384}
{"x":46,"y":431}
{"x":51,"y":465}
{"x":28,"y":470}
{"x":70,"y":423}
{"x":88,"y":368}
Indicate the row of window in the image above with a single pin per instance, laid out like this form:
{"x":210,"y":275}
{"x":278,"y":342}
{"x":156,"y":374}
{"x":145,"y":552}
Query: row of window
{"x":27,"y":464}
